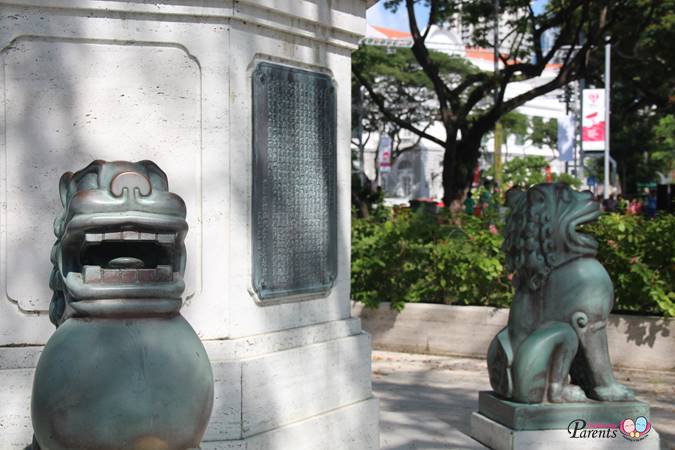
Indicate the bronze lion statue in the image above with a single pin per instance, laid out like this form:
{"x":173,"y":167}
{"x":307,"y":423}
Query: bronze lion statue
{"x":554,"y":348}
{"x":124,"y":369}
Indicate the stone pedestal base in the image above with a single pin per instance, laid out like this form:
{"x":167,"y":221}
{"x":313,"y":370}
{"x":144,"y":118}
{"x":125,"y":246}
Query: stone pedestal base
{"x":504,"y":425}
{"x":306,"y":388}
{"x":499,"y":437}
{"x":352,"y":427}
{"x":556,"y":416}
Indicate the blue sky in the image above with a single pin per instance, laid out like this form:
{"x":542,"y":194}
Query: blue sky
{"x":379,"y":16}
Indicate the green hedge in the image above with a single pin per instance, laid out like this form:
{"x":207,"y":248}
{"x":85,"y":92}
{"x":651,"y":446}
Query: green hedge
{"x":399,"y":256}
{"x":639,"y":255}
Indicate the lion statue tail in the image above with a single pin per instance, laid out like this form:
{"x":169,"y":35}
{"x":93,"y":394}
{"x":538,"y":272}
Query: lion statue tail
{"x":499,"y":360}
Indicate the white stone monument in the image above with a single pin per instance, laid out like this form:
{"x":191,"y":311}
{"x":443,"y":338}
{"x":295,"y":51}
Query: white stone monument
{"x":172,"y":81}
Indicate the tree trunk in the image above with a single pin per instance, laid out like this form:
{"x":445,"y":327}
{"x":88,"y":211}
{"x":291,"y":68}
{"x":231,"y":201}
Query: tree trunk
{"x":459,"y":161}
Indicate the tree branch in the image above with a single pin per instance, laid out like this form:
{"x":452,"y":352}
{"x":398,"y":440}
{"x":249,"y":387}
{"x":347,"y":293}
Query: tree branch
{"x":379,"y":101}
{"x":432,"y":13}
{"x":423,"y":57}
{"x":468,"y":81}
{"x":536,"y":33}
{"x":399,"y":151}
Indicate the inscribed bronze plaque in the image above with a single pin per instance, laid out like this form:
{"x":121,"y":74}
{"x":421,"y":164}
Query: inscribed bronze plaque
{"x":294,"y":182}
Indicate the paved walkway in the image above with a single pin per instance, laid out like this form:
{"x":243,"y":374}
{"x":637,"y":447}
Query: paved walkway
{"x":426,"y":401}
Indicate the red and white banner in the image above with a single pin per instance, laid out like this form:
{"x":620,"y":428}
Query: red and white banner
{"x":384,"y":156}
{"x":593,"y":120}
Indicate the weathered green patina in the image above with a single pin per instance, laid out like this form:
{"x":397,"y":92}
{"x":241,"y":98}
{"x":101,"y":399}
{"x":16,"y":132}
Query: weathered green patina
{"x":556,"y":416}
{"x":557,"y":323}
{"x":123,"y":370}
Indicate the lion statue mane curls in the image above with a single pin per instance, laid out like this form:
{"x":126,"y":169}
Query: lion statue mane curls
{"x":541,"y":233}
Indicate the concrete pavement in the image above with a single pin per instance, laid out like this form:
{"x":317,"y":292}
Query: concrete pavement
{"x":426,"y":401}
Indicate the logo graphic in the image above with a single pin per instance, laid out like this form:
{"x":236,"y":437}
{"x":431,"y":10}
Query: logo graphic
{"x":631,"y":429}
{"x":580,"y":429}
{"x":635,"y":430}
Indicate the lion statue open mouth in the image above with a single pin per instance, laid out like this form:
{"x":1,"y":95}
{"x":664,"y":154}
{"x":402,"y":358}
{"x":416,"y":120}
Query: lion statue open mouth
{"x":120,"y":242}
{"x":558,"y":319}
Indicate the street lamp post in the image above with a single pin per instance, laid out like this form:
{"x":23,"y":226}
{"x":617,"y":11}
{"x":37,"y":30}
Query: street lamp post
{"x":498,"y":126}
{"x":608,"y":50}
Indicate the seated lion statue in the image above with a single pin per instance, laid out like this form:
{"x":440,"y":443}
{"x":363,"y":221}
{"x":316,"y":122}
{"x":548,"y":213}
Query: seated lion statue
{"x":554,"y":348}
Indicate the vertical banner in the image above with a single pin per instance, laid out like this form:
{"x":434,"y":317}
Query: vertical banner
{"x":593,"y":119}
{"x":566,"y":138}
{"x":384,"y":153}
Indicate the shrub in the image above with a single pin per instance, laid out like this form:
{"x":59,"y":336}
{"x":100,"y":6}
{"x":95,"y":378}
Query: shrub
{"x":399,"y":256}
{"x":639,"y":255}
{"x":422,"y":257}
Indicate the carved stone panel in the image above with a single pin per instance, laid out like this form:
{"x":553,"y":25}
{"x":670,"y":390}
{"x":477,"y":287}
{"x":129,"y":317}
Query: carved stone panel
{"x":67,"y":102}
{"x":294,"y":182}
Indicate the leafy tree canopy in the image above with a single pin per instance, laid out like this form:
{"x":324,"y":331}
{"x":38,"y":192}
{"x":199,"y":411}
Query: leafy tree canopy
{"x":544,"y":132}
{"x":643,"y":83}
{"x":515,"y":124}
{"x":467,"y":102}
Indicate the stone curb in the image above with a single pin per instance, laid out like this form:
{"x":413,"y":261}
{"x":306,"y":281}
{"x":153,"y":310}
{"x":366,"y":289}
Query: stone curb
{"x":637,"y":342}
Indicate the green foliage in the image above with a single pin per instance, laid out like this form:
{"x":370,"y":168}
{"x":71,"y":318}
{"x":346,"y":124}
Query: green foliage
{"x":400,"y":79}
{"x":569,"y":179}
{"x":665,"y":131}
{"x":400,"y":256}
{"x":664,"y":136}
{"x":420,"y":257}
{"x":538,"y":131}
{"x":639,"y":254}
{"x":525,"y":172}
{"x":400,"y":82}
{"x":514,"y":123}
{"x":643,"y":110}
{"x":544,"y":132}
{"x":530,"y":170}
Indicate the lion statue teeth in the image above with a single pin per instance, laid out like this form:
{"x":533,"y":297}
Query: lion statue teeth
{"x":557,"y":323}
